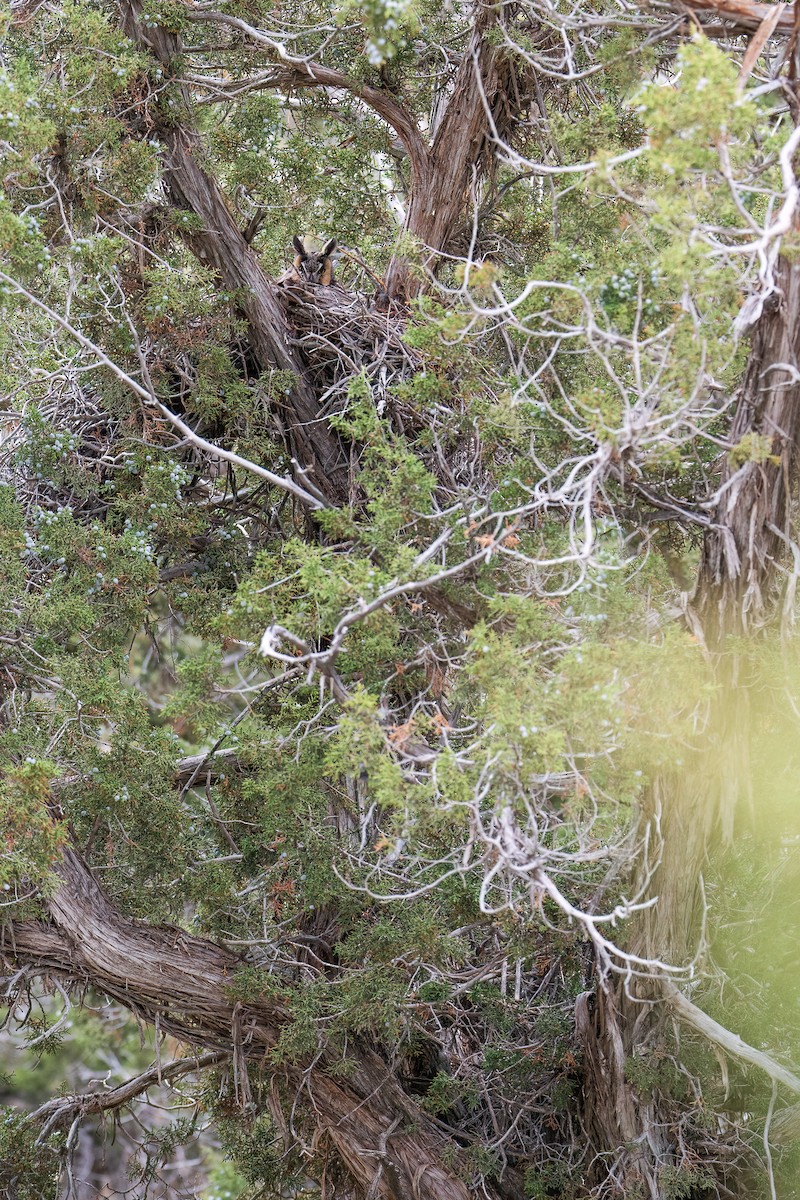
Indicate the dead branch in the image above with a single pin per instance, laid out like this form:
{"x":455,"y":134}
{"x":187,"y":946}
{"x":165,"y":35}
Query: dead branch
{"x":63,"y":1108}
{"x":730,"y":1042}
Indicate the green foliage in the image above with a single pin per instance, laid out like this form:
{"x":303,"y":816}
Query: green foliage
{"x":32,"y":839}
{"x":22,"y":248}
{"x":12,"y":549}
{"x":753,"y":447}
{"x":680,"y":1183}
{"x":552,"y":1179}
{"x":25,"y":132}
{"x":686,"y":120}
{"x":388,"y":24}
{"x":444,"y":1093}
{"x":224,"y":1183}
{"x":388,"y":937}
{"x":255,"y":1148}
{"x":375,"y":801}
{"x":396,"y":480}
{"x":28,"y":1171}
{"x":651,"y":1074}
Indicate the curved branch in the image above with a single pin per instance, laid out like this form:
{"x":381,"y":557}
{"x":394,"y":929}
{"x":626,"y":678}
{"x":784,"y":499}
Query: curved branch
{"x":730,"y":1042}
{"x":62,"y":1108}
{"x":295,"y":72}
{"x":185,"y":983}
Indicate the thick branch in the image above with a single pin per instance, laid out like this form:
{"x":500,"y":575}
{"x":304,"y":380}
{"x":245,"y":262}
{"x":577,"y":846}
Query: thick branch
{"x":184,"y":981}
{"x":220,"y":244}
{"x":746,"y":13}
{"x":730,"y":1042}
{"x":62,"y":1108}
{"x":143,"y":393}
{"x":475,"y":116}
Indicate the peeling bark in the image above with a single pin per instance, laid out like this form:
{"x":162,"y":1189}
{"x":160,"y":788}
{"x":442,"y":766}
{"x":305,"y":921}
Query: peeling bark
{"x":221,"y":245}
{"x":389,"y":1147}
{"x":476,"y":113}
{"x":737,"y":589}
{"x":747,"y":13}
{"x":615,"y":1116}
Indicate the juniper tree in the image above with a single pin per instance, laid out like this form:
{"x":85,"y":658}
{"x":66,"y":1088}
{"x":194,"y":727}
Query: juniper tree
{"x":384,"y":664}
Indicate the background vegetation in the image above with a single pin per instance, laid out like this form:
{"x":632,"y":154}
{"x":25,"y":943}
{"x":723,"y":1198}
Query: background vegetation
{"x":398,"y":678}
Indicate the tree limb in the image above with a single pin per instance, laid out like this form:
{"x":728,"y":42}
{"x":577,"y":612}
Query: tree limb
{"x":296,"y":72}
{"x":280,"y":481}
{"x":747,"y":13}
{"x":185,"y":982}
{"x":221,"y":245}
{"x":61,"y":1108}
{"x":726,"y":1040}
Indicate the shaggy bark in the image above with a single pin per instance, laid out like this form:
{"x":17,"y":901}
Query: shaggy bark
{"x":738,"y":588}
{"x":476,"y":119}
{"x":738,"y":594}
{"x":747,"y":13}
{"x":221,"y":245}
{"x":621,"y":1124}
{"x":389,"y":1147}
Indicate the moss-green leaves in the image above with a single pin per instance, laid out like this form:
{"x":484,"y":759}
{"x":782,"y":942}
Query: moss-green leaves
{"x":32,"y":834}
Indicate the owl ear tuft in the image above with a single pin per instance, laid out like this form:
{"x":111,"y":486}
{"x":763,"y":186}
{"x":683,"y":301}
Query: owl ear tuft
{"x":299,"y":247}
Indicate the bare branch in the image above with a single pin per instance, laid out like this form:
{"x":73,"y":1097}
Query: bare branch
{"x":62,"y":1108}
{"x":728,"y":1041}
{"x":286,"y":484}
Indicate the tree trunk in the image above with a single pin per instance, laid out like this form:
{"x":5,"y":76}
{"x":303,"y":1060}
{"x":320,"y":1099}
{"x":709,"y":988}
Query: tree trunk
{"x":626,"y":1131}
{"x":737,"y":596}
{"x":477,"y":119}
{"x":737,"y":591}
{"x":389,"y":1147}
{"x":220,"y":244}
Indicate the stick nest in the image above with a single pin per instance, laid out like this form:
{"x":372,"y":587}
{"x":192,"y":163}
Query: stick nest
{"x":342,"y":335}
